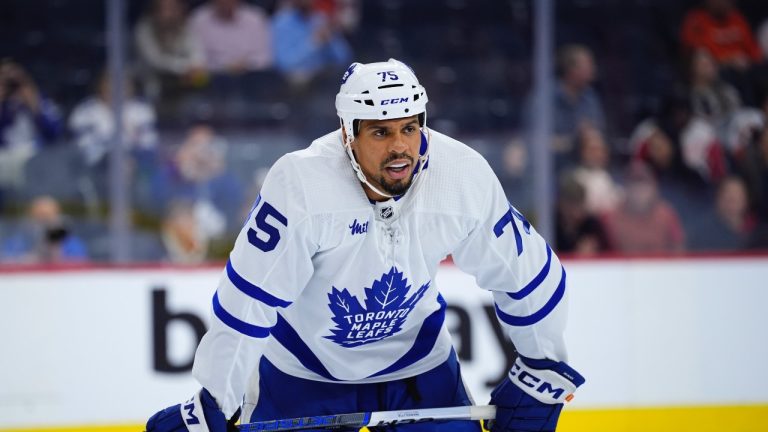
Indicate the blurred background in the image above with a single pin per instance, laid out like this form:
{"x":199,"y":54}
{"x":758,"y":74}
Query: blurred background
{"x":620,"y":127}
{"x":135,"y":135}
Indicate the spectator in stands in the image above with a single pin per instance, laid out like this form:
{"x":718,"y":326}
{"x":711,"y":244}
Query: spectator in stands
{"x":27,"y":120}
{"x":306,"y":41}
{"x":603,"y":194}
{"x":711,"y":98}
{"x":644,"y":222}
{"x":719,"y":103}
{"x":345,"y":14}
{"x":754,"y":167}
{"x":656,"y":142}
{"x":668,"y":143}
{"x":45,"y":236}
{"x":169,"y":53}
{"x":719,"y":28}
{"x":762,"y":38}
{"x":575,"y":102}
{"x":93,"y":125}
{"x":727,"y":226}
{"x":652,"y":145}
{"x":702,"y":150}
{"x":578,"y":232}
{"x":198,"y":175}
{"x":184,"y":240}
{"x":697,"y":148}
{"x":236,"y":37}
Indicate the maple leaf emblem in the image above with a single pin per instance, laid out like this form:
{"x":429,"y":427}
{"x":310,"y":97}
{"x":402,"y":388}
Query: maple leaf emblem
{"x":383,"y":315}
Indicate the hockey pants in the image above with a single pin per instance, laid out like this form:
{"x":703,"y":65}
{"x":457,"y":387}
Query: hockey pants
{"x":285,"y":396}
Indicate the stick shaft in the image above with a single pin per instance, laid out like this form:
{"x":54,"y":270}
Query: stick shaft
{"x":376,"y":418}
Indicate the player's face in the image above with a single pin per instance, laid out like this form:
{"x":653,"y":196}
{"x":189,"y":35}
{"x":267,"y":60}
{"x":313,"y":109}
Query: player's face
{"x":387,"y":151}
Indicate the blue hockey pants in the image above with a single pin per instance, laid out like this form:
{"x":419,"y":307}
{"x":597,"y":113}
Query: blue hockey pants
{"x":283,"y":396}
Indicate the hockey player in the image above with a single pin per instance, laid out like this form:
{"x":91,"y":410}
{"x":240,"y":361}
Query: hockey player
{"x":328,"y":303}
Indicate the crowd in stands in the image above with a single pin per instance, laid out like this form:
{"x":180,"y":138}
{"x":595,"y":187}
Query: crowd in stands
{"x":182,"y":188}
{"x":214,"y":85}
{"x":688,"y":178}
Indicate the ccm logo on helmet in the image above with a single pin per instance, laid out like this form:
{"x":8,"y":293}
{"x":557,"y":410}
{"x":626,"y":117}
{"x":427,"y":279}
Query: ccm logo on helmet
{"x":536,"y":383}
{"x":394,"y":101}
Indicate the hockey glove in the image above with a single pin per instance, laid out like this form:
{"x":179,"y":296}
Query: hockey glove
{"x":199,"y":414}
{"x":532,"y":395}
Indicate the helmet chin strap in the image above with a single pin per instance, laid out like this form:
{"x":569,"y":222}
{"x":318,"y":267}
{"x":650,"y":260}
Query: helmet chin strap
{"x":356,"y":166}
{"x":359,"y":171}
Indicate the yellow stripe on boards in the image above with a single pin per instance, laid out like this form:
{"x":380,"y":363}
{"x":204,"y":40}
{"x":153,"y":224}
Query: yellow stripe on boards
{"x":124,"y":428}
{"x":751,"y":418}
{"x":674,"y":419}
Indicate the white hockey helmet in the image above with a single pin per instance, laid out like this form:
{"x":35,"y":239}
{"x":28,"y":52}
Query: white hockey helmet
{"x":379,"y":91}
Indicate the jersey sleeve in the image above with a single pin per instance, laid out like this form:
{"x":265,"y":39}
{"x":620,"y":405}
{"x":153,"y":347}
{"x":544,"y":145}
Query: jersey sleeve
{"x":508,"y":257}
{"x":267,"y":269}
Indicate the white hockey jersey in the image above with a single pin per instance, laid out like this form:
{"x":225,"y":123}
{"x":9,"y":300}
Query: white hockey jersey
{"x":330,"y":286}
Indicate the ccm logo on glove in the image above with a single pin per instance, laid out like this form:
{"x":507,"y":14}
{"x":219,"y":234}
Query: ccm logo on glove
{"x":190,"y":418}
{"x":547,"y":385}
{"x":193,"y":414}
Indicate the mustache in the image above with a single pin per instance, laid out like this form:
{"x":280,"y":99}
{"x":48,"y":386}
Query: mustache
{"x":396,"y":156}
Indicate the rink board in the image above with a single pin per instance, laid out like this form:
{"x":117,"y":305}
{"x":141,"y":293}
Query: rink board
{"x":693,"y":419}
{"x":665,"y":344}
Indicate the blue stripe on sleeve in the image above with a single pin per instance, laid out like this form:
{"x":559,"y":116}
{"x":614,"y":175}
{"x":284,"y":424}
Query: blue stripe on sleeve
{"x":532,"y":285}
{"x":537,"y":316}
{"x":252,"y":290}
{"x":236,"y":324}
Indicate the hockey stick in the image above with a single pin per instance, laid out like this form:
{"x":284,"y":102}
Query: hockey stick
{"x":374,"y":418}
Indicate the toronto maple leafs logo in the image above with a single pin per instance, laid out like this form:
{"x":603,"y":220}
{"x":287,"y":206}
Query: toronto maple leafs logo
{"x":386,"y":309}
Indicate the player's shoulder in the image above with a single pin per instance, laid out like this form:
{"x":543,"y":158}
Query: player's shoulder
{"x":457,"y":179}
{"x":451,"y":145}
{"x":319,"y":175}
{"x":456,"y":159}
{"x":323,"y":156}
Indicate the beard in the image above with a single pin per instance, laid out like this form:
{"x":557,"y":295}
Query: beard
{"x":396,"y":188}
